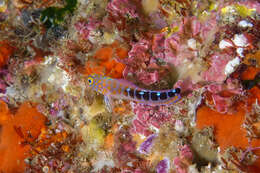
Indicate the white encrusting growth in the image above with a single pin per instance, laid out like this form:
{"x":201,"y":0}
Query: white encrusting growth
{"x":231,"y":65}
{"x":224,"y":44}
{"x":192,"y":43}
{"x":240,"y":40}
{"x":245,"y":24}
{"x":240,"y":51}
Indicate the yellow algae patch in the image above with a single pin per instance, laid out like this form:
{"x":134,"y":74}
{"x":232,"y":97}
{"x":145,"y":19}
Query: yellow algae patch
{"x":92,"y":134}
{"x":109,"y":38}
{"x":169,"y":31}
{"x":213,"y":6}
{"x":150,"y":6}
{"x":97,"y":107}
{"x":242,"y":10}
{"x":3,"y":6}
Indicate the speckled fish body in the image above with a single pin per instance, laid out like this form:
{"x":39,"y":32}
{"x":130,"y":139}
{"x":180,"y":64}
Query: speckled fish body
{"x":121,"y":89}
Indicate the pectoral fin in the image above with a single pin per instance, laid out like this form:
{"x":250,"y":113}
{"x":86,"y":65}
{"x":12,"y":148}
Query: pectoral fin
{"x":109,"y":103}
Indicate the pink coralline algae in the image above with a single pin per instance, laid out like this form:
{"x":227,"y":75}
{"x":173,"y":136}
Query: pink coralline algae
{"x":57,"y":107}
{"x":158,"y":46}
{"x":122,"y":8}
{"x":184,"y":159}
{"x":216,"y":72}
{"x":148,"y":78}
{"x":176,"y":48}
{"x":5,"y":80}
{"x":84,"y":28}
{"x":125,"y":147}
{"x":163,"y":166}
{"x":148,"y":117}
{"x":157,"y":20}
{"x":186,"y":85}
{"x":139,"y":53}
{"x":222,"y":94}
{"x":146,"y":146}
{"x":138,"y":62}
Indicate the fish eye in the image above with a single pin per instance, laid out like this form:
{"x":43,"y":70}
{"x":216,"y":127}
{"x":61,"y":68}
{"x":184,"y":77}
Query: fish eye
{"x":90,"y":80}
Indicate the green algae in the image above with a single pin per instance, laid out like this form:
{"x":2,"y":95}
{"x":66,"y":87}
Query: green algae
{"x":53,"y":16}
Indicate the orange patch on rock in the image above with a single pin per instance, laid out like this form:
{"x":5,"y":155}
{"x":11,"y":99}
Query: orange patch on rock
{"x":250,"y":73}
{"x":104,"y":53}
{"x":6,"y":51}
{"x":109,"y":141}
{"x":254,"y":93}
{"x":121,"y":53}
{"x":16,"y":131}
{"x":250,"y":58}
{"x":228,"y":128}
{"x":105,"y":61}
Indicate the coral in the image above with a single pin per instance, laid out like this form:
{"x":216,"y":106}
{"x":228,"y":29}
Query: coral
{"x":176,"y":49}
{"x":93,"y":134}
{"x":165,"y":145}
{"x":250,"y":73}
{"x":96,"y":108}
{"x":5,"y":80}
{"x":17,"y":132}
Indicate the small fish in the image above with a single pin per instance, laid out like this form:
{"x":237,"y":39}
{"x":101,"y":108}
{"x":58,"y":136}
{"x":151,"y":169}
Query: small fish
{"x":121,"y":89}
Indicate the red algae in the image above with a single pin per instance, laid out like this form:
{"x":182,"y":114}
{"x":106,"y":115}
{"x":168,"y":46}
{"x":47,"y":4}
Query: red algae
{"x":6,"y":51}
{"x":250,"y":73}
{"x":17,"y":131}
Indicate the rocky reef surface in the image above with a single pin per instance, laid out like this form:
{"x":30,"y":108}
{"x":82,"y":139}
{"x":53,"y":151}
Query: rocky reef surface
{"x":52,"y":122}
